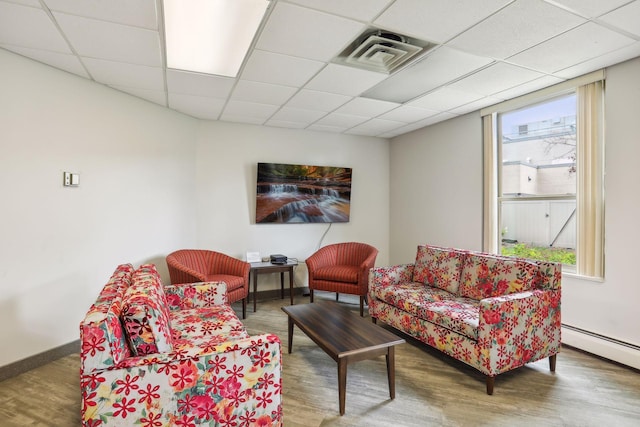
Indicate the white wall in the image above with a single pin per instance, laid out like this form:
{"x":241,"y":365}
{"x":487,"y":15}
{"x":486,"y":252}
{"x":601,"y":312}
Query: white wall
{"x":436,"y":188}
{"x":226,"y":163}
{"x":60,"y":245}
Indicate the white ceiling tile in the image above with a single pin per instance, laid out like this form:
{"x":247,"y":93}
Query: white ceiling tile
{"x":476,"y":105}
{"x":408,"y":114}
{"x":241,"y":119}
{"x":29,"y":27}
{"x":626,"y":18}
{"x":444,"y":99}
{"x":420,"y":124}
{"x":249,"y":109}
{"x":122,"y":74}
{"x":262,"y":93}
{"x":528,"y":87}
{"x":187,"y":83}
{"x":438,"y":68}
{"x":106,"y":40}
{"x":375,"y":127}
{"x":575,"y":46}
{"x":338,"y":120}
{"x":314,"y":100}
{"x":325,"y":128}
{"x":615,"y":57}
{"x":344,"y":80}
{"x":515,"y":28}
{"x":62,"y":61}
{"x":138,"y":13}
{"x":305,"y":33}
{"x":34,"y":3}
{"x":156,"y":96}
{"x":197,"y":106}
{"x":269,"y":67}
{"x":496,"y":78}
{"x":436,"y":20}
{"x":366,"y":107}
{"x":589,"y":8}
{"x":361,"y":10}
{"x":286,"y":124}
{"x":297,"y":115}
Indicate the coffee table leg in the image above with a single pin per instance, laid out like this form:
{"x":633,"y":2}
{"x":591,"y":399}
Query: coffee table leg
{"x":342,"y":383}
{"x":391,"y":372}
{"x":290,"y":342}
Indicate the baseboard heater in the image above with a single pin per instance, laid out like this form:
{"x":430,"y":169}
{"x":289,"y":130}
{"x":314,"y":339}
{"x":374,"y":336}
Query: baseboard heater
{"x":602,"y":337}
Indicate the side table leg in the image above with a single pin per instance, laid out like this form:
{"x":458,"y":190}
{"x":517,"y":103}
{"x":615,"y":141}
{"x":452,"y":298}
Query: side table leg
{"x":291,"y":284}
{"x":342,"y":383}
{"x":255,"y":289}
{"x":282,"y":285}
{"x":391,"y":372}
{"x":290,"y":341}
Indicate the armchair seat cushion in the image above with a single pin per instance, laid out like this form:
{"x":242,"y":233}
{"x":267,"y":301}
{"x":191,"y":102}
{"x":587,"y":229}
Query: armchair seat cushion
{"x":205,"y":327}
{"x":233,"y":282}
{"x":338,"y":273}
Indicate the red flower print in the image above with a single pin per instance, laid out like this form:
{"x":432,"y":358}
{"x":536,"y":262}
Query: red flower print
{"x":229,"y":387}
{"x":93,"y":423}
{"x":264,"y":400}
{"x":491,"y":317}
{"x":149,"y":394}
{"x":205,"y":407}
{"x":186,"y":404}
{"x":262,"y":359}
{"x":92,"y":381}
{"x":503,"y":285}
{"x":186,"y":421}
{"x":127,"y":385}
{"x":264,"y":421}
{"x":124,"y":407}
{"x":190,"y":292}
{"x":173,"y":300}
{"x":236,"y":371}
{"x":93,"y":338}
{"x":152,"y":421}
{"x":217,"y":364}
{"x":186,"y":376}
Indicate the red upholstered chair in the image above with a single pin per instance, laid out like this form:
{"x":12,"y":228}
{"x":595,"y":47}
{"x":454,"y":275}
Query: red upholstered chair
{"x":199,"y":265}
{"x":342,"y":268}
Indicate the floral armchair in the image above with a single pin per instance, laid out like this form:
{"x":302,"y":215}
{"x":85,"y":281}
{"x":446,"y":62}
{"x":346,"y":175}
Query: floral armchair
{"x":154,"y":355}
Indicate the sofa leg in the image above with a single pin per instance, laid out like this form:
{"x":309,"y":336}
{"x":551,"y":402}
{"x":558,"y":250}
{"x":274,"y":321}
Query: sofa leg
{"x":490,"y":383}
{"x":374,"y":320}
{"x":361,"y":306}
{"x":552,"y":363}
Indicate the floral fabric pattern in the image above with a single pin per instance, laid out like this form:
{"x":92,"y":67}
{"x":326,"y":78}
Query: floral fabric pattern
{"x":439,"y":267}
{"x":215,"y":374}
{"x":511,"y":317}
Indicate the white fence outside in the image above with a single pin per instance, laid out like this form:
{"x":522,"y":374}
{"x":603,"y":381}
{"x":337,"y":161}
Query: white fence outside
{"x":540,"y":223}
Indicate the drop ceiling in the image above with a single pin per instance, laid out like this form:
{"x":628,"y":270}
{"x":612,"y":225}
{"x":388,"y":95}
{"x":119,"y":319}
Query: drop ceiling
{"x":480,"y":53}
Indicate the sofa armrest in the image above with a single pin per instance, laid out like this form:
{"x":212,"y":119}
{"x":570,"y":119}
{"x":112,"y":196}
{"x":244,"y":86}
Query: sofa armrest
{"x":235,"y":380}
{"x":194,"y":295}
{"x":394,"y":275}
{"x":518,"y":328}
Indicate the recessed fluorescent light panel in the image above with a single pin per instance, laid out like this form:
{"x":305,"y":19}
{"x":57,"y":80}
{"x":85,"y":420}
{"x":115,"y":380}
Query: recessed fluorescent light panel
{"x":211,"y":36}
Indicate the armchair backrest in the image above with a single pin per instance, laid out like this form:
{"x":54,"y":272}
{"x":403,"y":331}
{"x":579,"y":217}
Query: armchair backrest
{"x":353,"y":253}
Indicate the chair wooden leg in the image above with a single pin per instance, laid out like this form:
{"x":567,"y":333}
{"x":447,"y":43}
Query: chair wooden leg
{"x":361,"y":306}
{"x":337,"y":294}
{"x":552,"y":363}
{"x":310,"y":295}
{"x":490,"y":383}
{"x":244,"y":308}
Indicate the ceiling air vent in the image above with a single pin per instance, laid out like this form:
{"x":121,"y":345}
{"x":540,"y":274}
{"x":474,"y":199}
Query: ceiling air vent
{"x":382,"y":51}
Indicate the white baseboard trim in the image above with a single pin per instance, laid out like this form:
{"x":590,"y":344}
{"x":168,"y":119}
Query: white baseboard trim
{"x":624,"y":353}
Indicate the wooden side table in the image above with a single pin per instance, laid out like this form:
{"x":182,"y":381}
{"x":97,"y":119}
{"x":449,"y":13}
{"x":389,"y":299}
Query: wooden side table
{"x":267,"y":267}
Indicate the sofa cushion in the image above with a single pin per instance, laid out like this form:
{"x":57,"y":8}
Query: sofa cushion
{"x":145,"y":314}
{"x":458,"y":314}
{"x":485,"y":276}
{"x":438,"y":267}
{"x":338,"y":273}
{"x":205,"y":327}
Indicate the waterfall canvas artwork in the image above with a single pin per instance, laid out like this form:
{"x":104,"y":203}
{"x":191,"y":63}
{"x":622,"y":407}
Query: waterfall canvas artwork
{"x":302,"y":193}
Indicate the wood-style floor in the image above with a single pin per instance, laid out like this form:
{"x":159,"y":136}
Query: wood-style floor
{"x":431,"y":389}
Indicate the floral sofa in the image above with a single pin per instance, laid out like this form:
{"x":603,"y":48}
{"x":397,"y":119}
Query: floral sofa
{"x":154,"y":355}
{"x":492,"y":312}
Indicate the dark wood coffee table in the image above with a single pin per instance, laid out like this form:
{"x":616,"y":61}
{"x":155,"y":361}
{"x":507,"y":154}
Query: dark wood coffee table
{"x":344,"y":336}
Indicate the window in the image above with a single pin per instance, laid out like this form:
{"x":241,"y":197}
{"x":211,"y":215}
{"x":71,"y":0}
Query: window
{"x":544,"y":176}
